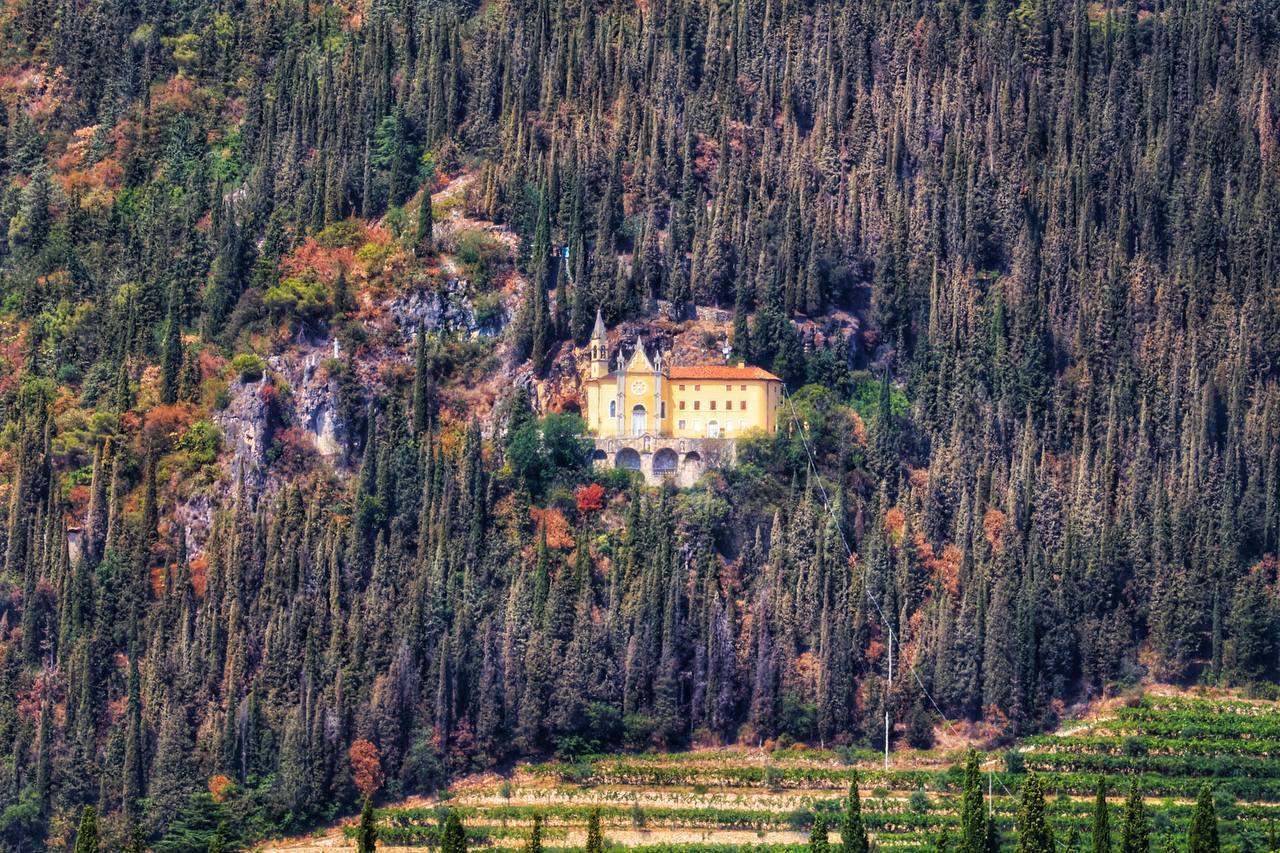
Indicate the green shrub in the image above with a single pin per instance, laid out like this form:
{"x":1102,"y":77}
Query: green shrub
{"x":303,"y":298}
{"x":481,"y":255}
{"x":248,"y":367}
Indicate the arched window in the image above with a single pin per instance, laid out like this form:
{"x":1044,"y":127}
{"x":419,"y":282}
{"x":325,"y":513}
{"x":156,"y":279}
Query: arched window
{"x":613,"y":408}
{"x":713,"y":429}
{"x":639,"y":420}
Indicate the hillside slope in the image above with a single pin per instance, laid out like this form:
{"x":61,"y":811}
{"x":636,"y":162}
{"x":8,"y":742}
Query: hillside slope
{"x":1167,"y":741}
{"x":294,"y":502}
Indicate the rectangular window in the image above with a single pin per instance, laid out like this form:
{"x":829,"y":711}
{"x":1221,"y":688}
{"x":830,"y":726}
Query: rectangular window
{"x":681,"y":387}
{"x":682,"y":425}
{"x":697,"y":426}
{"x":742,"y":387}
{"x":742,"y":404}
{"x":728,"y":387}
{"x":728,"y":405}
{"x":713,"y":405}
{"x":697,"y":387}
{"x":682,"y":405}
{"x":697,"y":405}
{"x":662,"y":409}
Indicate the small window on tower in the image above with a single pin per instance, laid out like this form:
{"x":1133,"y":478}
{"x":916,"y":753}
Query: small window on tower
{"x":613,"y":408}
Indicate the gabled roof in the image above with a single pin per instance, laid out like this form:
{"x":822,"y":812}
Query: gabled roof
{"x":720,"y":371}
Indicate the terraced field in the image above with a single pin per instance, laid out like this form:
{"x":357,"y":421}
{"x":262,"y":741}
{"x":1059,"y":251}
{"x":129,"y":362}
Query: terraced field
{"x":725,"y":799}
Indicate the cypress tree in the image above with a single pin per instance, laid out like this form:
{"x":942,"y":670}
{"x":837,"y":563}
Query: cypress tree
{"x":972,"y":820}
{"x":1202,"y":834}
{"x":818,"y":835}
{"x":595,"y":841}
{"x":171,"y":356}
{"x":421,"y":384}
{"x":454,"y":838}
{"x":1135,"y":837}
{"x":1101,"y":819}
{"x":991,"y":839}
{"x":1034,"y":833}
{"x":534,"y":844}
{"x":87,"y":836}
{"x":426,"y":217}
{"x":367,"y":831}
{"x":853,"y":832}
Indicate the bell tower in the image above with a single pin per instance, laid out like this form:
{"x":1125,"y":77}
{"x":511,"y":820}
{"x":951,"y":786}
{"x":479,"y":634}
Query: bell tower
{"x":599,"y":349}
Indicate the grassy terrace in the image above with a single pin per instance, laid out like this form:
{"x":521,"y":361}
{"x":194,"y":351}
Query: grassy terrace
{"x":718,"y":800}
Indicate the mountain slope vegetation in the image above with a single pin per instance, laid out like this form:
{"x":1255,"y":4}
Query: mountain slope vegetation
{"x":295,"y":503}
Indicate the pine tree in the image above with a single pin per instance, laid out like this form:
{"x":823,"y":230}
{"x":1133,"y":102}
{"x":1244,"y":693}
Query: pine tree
{"x":853,"y":832}
{"x":1101,"y":819}
{"x":1135,"y":837}
{"x":87,"y":836}
{"x":1202,"y":834}
{"x":367,"y":830}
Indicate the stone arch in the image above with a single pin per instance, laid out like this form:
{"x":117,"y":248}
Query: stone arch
{"x":627,"y":458}
{"x":598,"y":456}
{"x":665,"y":461}
{"x":692,"y":459}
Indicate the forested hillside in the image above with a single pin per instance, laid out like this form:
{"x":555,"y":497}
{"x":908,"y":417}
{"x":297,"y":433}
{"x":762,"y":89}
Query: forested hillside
{"x":290,"y":513}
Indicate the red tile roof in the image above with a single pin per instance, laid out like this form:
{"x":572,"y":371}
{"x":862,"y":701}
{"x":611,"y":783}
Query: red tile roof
{"x":720,"y":371}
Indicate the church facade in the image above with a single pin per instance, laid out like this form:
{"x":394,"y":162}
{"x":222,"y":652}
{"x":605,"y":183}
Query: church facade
{"x":672,"y":421}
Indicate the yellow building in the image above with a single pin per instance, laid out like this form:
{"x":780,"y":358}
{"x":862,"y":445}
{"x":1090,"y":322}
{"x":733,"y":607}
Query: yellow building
{"x":667,"y":420}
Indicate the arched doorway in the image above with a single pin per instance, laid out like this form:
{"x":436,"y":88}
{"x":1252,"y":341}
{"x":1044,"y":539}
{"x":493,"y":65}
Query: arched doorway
{"x":627,"y":458}
{"x":665,"y":461}
{"x":639,"y":419}
{"x":713,"y":429}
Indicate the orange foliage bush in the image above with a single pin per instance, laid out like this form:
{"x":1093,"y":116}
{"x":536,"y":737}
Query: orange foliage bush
{"x":366,"y":767}
{"x":590,"y":498}
{"x":993,"y":527}
{"x":324,"y":262}
{"x":163,"y":424}
{"x":220,"y":786}
{"x":946,"y":568}
{"x":559,"y":533}
{"x":894,"y":523}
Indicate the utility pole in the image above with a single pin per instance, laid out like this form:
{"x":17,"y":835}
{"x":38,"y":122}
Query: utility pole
{"x":887,"y":693}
